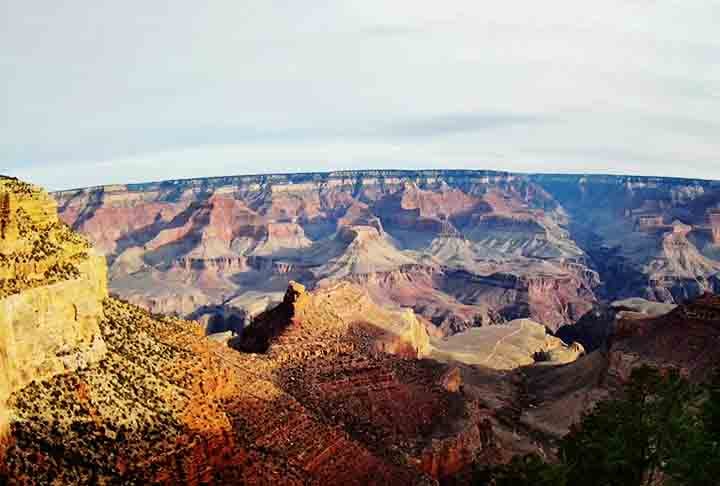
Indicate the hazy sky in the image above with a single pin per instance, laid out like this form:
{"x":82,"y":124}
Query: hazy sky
{"x":97,"y":91}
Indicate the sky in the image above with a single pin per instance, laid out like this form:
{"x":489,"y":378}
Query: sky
{"x":99,"y":92}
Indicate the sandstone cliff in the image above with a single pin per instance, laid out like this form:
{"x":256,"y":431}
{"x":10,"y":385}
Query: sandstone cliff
{"x":51,"y":290}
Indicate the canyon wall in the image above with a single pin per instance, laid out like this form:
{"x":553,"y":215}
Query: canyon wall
{"x":462,"y":248}
{"x":52,"y":329}
{"x":188,"y":246}
{"x":52,"y":286}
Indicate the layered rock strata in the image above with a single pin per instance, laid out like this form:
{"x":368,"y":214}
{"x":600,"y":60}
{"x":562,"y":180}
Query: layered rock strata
{"x":185,"y":246}
{"x":567,"y":241}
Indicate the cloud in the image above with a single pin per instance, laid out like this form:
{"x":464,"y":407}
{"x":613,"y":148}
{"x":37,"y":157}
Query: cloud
{"x":460,"y":123}
{"x":557,"y":85}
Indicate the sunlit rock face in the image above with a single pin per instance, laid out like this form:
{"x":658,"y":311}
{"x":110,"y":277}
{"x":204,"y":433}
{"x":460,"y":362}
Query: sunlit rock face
{"x":52,"y":286}
{"x":461,"y":248}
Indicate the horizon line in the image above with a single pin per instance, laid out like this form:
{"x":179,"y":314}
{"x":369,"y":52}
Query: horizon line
{"x":330,"y":173}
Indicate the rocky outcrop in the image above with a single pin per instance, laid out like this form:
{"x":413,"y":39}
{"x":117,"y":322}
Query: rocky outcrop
{"x":354,"y":362}
{"x":52,"y":329}
{"x":334,"y":310}
{"x":52,"y":287}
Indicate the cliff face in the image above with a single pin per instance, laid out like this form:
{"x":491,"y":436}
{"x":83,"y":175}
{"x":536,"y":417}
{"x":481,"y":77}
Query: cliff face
{"x":51,"y":329}
{"x":51,"y":290}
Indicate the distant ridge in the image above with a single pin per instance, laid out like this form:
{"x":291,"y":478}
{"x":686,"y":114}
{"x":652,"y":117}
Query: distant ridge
{"x":296,"y":177}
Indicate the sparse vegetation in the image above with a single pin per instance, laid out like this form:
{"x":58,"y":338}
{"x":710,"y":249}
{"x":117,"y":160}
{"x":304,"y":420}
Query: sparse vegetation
{"x":43,"y":253}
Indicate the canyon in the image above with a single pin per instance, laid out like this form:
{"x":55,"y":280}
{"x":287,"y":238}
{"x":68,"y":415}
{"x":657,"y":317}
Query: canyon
{"x":348,"y":379}
{"x":461,"y":248}
{"x":325,"y":387}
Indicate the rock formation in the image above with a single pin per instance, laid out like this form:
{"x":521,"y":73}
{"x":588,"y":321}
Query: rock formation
{"x":332,"y":311}
{"x":461,"y":248}
{"x":51,"y":290}
{"x":189,"y":246}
